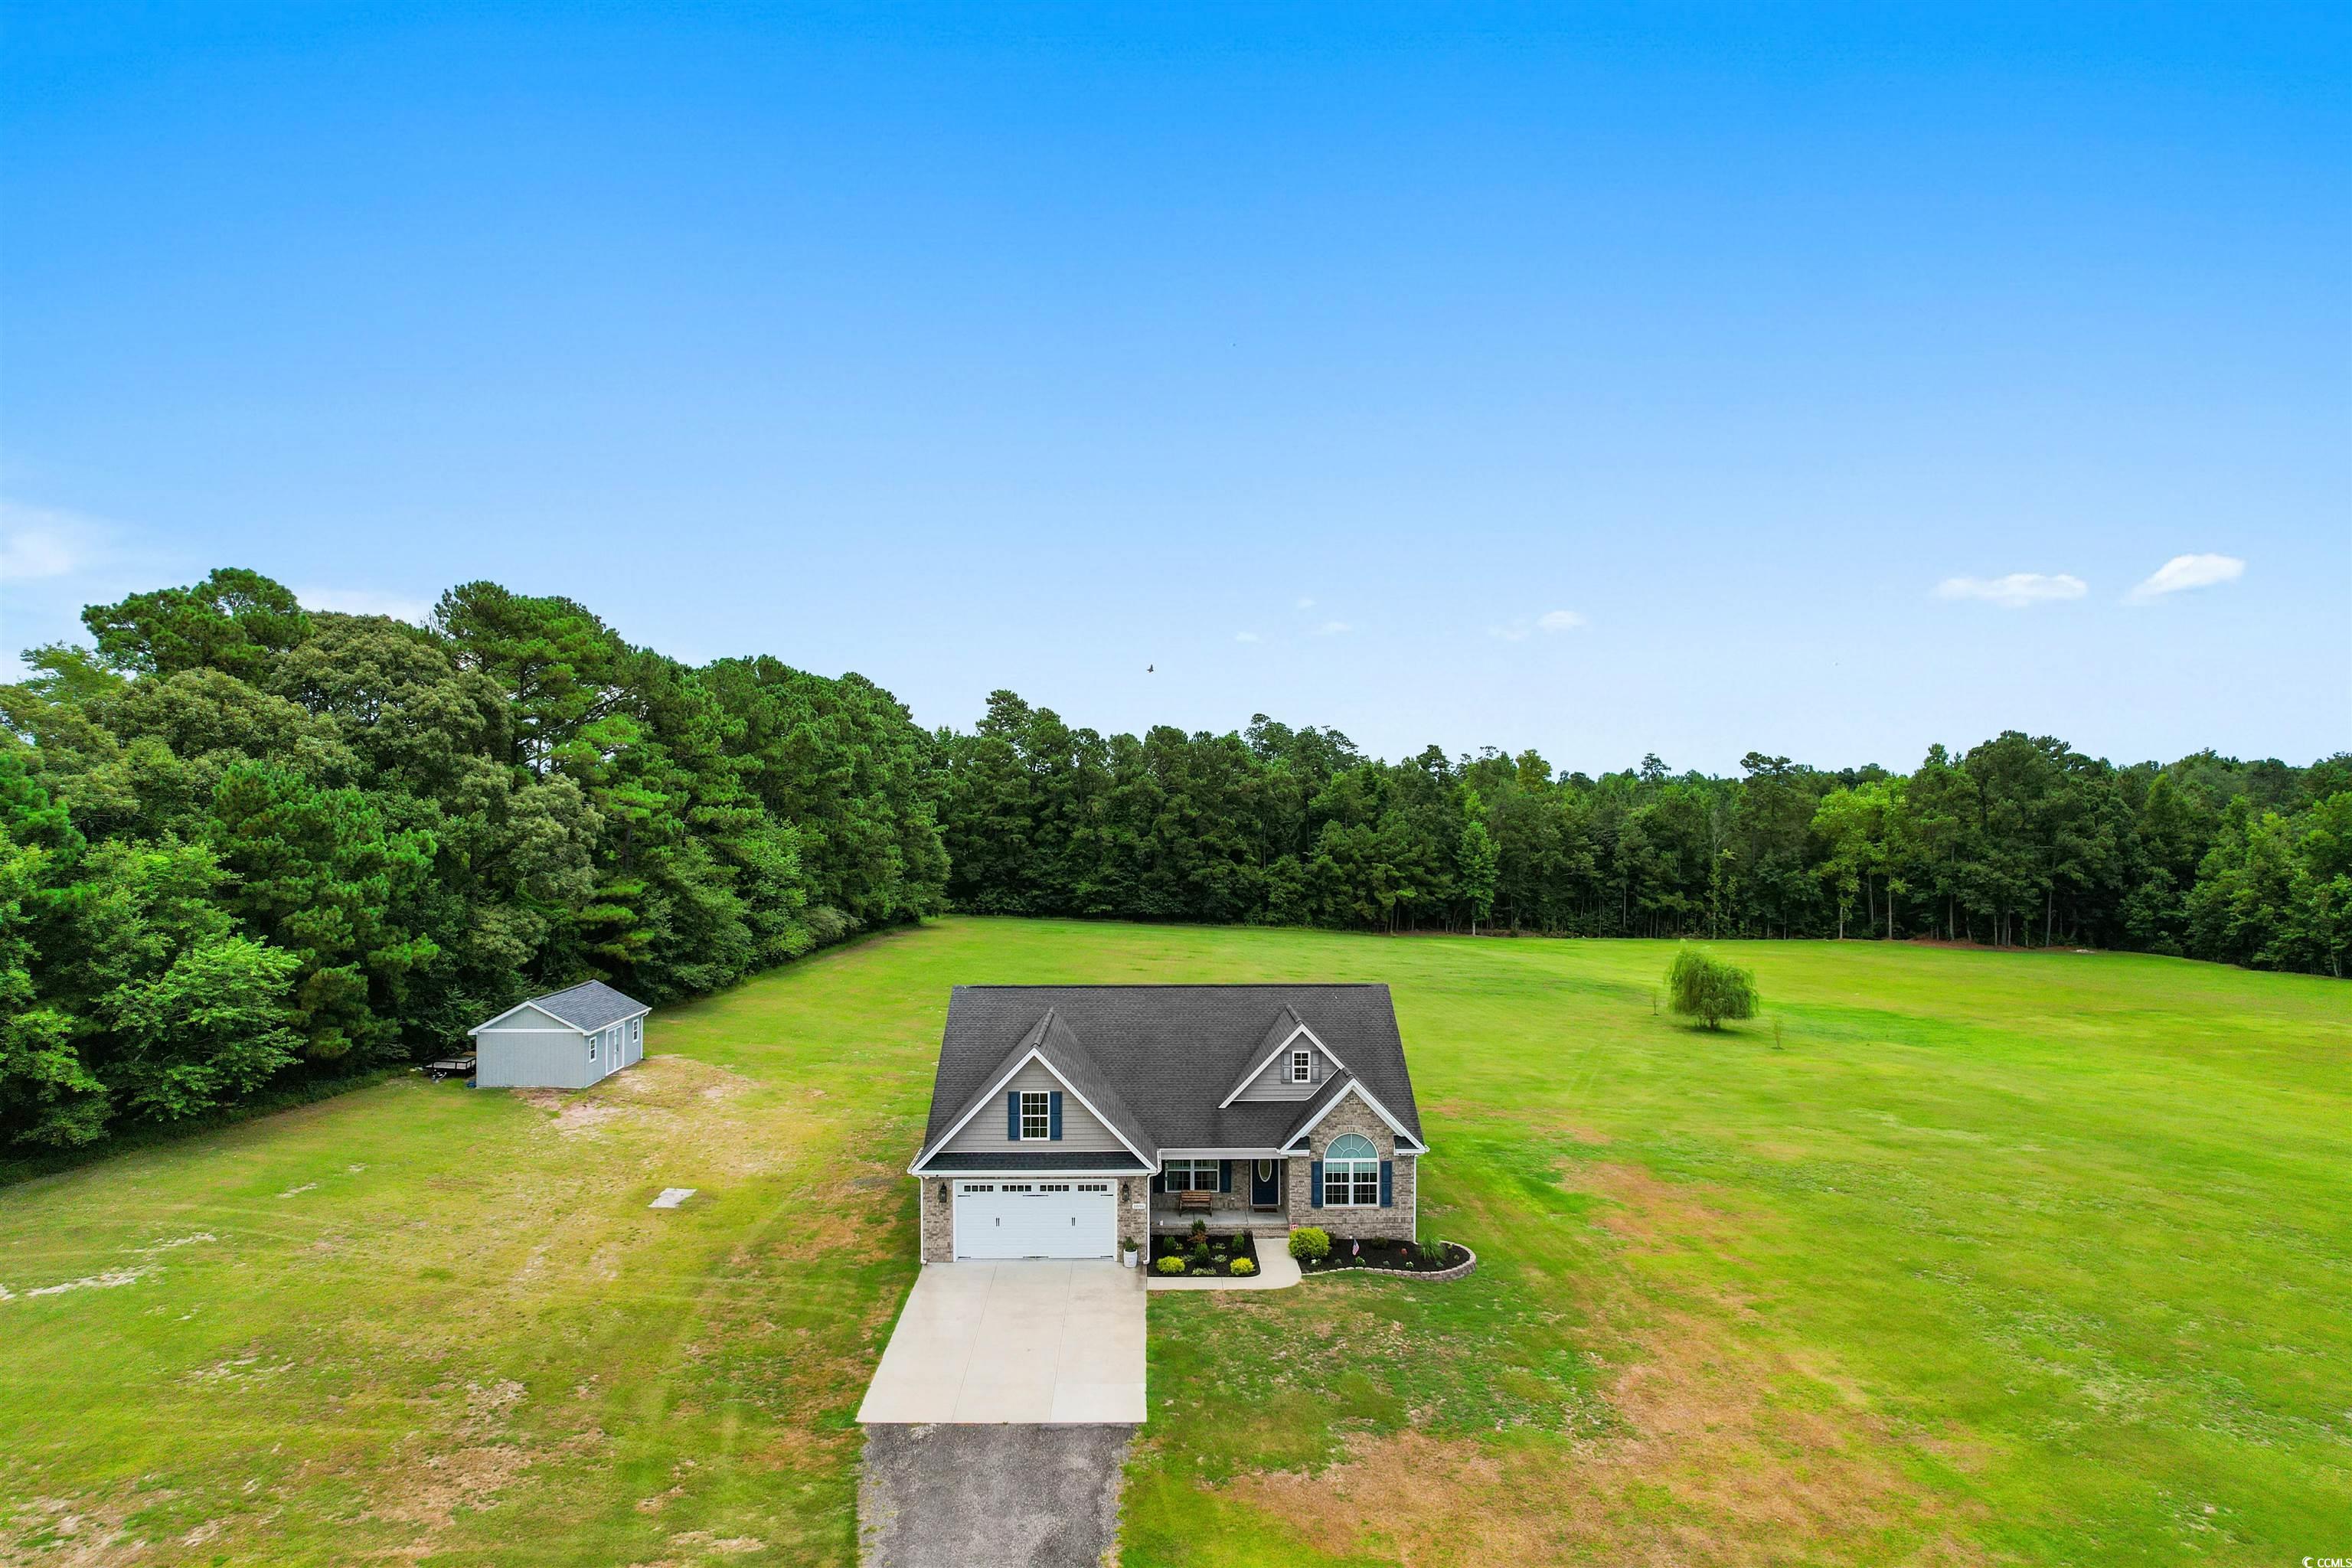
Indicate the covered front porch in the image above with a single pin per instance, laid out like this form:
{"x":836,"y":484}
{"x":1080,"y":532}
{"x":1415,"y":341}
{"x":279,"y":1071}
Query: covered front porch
{"x":1227,"y":1194}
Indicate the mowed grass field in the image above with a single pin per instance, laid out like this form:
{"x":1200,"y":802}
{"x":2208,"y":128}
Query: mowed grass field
{"x":1976,"y":1258}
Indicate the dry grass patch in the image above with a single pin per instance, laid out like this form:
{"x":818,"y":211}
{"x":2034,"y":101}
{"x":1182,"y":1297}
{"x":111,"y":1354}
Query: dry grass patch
{"x":1725,"y":1448}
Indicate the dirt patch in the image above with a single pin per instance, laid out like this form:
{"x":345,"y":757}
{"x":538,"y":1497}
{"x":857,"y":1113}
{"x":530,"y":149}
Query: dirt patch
{"x":440,"y":1484}
{"x":106,"y":1281}
{"x":1652,"y":1214}
{"x":72,"y":1534}
{"x":703,"y":1540}
{"x":670,"y":1099}
{"x":177,"y":1241}
{"x":488,"y":1408}
{"x":573,"y":1112}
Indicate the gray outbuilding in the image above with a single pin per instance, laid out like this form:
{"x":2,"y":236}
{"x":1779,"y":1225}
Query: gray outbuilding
{"x":566,"y":1039}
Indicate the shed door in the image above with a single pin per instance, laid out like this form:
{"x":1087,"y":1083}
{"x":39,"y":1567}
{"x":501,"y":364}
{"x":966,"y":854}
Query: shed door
{"x":1035,"y":1219}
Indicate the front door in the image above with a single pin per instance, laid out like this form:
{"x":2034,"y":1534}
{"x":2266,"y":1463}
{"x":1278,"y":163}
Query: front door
{"x":1266,"y":1184}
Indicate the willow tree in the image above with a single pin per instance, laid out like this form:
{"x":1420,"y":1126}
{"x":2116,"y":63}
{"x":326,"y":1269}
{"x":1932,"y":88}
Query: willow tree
{"x":1700,"y":986}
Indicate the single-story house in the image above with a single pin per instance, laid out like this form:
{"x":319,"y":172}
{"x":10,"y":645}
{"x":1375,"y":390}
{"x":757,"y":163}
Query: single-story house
{"x":565,"y":1039}
{"x":1067,"y":1120}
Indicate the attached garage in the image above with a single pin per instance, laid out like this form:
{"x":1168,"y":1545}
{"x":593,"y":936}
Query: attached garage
{"x":1034,"y":1218}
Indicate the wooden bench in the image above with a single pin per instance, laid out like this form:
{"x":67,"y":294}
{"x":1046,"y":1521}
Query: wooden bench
{"x":1192,"y":1202}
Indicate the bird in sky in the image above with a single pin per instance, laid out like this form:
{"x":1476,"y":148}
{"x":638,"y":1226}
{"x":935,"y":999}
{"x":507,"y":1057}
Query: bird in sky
{"x":1149,"y":668}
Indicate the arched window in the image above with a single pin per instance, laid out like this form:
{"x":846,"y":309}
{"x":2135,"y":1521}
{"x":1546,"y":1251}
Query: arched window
{"x":1351,"y":1173}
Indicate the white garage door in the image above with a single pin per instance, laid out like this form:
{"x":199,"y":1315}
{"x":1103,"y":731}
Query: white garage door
{"x":1035,"y":1219}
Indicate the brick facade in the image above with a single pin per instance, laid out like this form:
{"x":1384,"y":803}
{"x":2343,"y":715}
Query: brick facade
{"x":1134,"y":1223}
{"x":1394,"y":1223}
{"x":938,"y":1222}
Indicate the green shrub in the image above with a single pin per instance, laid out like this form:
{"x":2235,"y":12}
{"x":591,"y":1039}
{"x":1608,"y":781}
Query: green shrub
{"x":1201,"y":1252}
{"x":1243,"y":1265}
{"x":1432,"y":1253}
{"x":1701,"y":987}
{"x":1204,"y":1273}
{"x":1172,"y":1263}
{"x":1311,"y":1244}
{"x":1200,"y":1228}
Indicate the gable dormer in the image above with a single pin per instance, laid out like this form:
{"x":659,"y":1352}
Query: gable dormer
{"x":1292,"y":1063}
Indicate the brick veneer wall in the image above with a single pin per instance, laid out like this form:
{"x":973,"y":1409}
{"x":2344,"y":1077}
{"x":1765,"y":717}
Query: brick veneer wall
{"x":938,"y":1222}
{"x":1135,"y":1224}
{"x":1395,"y":1222}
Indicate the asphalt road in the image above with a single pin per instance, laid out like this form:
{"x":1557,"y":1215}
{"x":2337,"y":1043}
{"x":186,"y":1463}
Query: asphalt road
{"x":990,"y":1497}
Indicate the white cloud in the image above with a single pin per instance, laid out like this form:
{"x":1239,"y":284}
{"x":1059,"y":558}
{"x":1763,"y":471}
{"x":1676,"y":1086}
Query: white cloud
{"x":1551,"y":623}
{"x":365,"y":602}
{"x":38,"y":542}
{"x":2185,"y":572}
{"x":1332,"y":628}
{"x":2017,"y":589}
{"x":1245,"y":637}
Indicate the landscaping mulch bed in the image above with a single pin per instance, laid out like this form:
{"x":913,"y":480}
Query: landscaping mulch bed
{"x":1396,"y":1257}
{"x":1223,"y":1249}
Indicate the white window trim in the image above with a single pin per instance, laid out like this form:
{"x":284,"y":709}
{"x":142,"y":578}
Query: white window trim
{"x":1271,"y":1057}
{"x":1194,"y":1171}
{"x":591,"y":1047}
{"x":1045,"y":1115}
{"x":1302,"y":1067}
{"x":1355,"y":1167}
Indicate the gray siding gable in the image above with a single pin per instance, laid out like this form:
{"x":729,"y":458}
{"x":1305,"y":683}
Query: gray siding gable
{"x":1274,"y":1083}
{"x":532,"y":1050}
{"x":1081,"y":1132}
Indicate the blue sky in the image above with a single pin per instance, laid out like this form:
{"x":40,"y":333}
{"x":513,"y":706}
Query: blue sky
{"x":1605,"y":379}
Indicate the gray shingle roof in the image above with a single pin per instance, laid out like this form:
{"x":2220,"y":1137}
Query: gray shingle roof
{"x":590,"y":1005}
{"x":1118,"y":1162}
{"x":1156,"y":1059}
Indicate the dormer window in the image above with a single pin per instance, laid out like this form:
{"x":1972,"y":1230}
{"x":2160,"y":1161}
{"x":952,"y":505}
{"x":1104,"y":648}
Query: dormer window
{"x":1302,"y":1067}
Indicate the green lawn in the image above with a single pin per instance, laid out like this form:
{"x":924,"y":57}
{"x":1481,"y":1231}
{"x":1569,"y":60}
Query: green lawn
{"x":2034,"y":1259}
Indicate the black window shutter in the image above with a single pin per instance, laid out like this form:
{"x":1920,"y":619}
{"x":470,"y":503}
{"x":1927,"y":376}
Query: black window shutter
{"x":1224,"y":1176}
{"x":1054,"y":1106}
{"x":1386,"y":1188}
{"x":1315,"y":1184}
{"x":1013,"y":1116}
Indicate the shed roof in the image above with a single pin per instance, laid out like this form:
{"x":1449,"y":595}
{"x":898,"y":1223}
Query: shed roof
{"x":590,"y":1005}
{"x":587,"y":1006}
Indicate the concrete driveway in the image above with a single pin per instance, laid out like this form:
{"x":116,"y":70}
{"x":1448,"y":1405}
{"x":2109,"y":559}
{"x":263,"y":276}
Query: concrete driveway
{"x":1047,"y":1343}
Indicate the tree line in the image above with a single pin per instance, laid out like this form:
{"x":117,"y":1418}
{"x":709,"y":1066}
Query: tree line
{"x":243,"y":844}
{"x":2019,"y":841}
